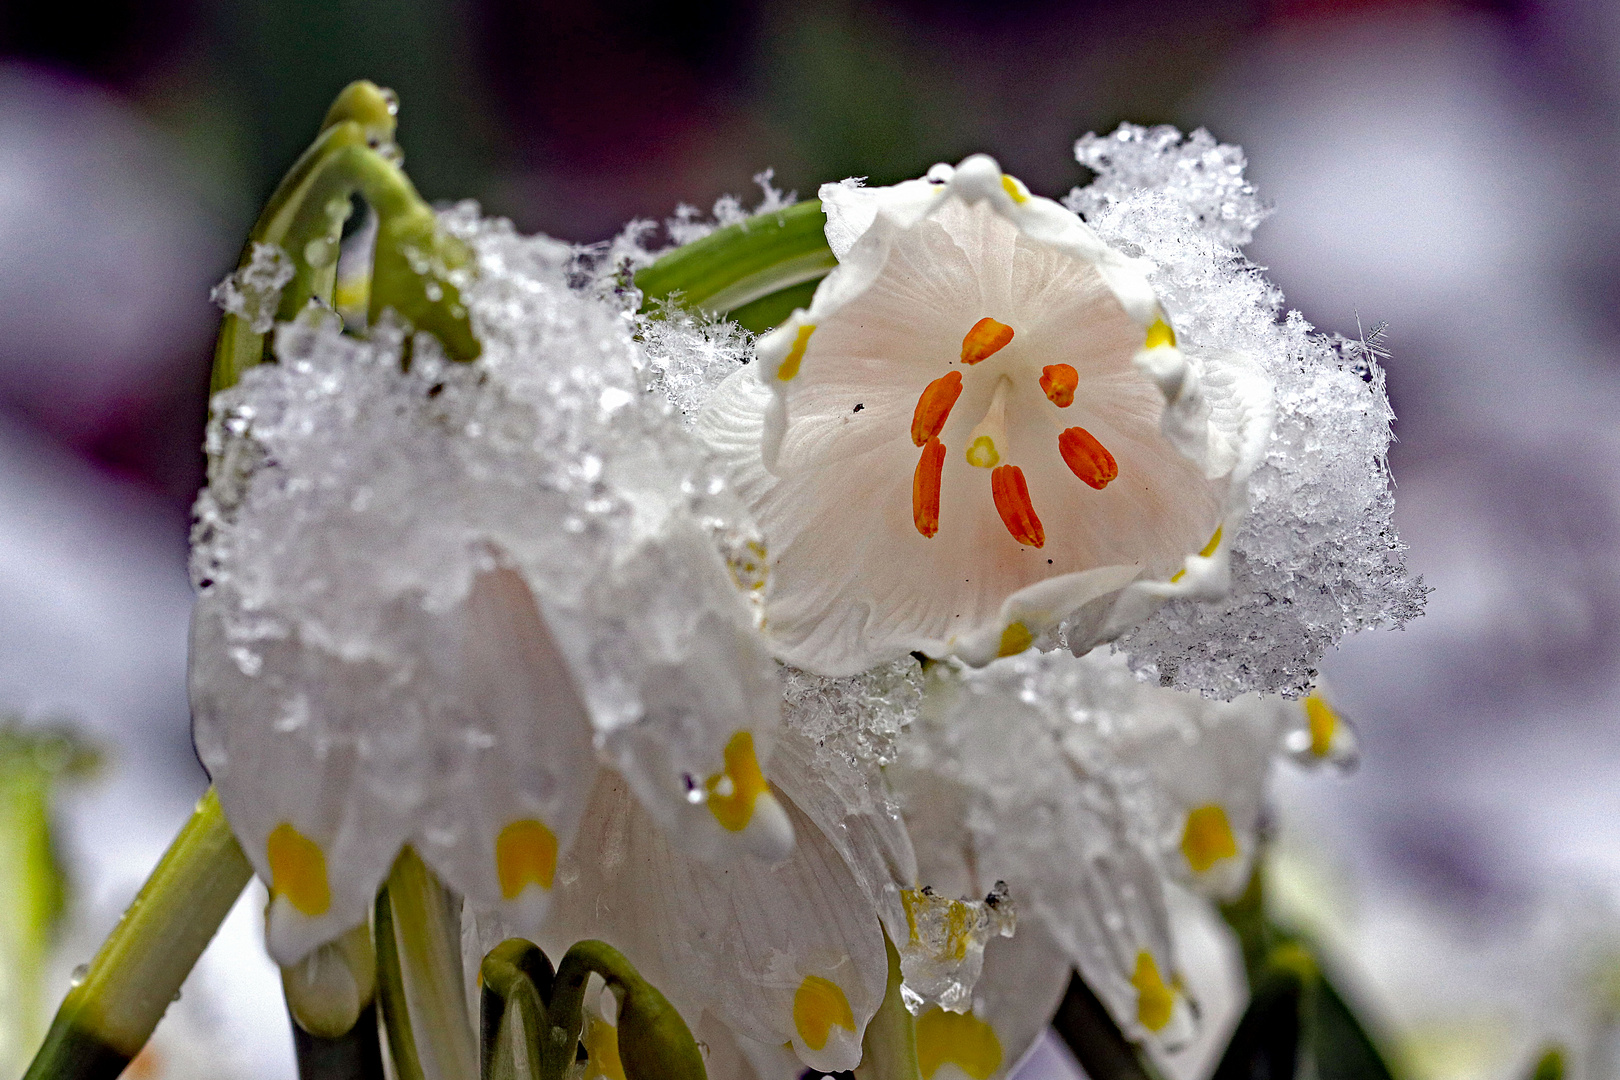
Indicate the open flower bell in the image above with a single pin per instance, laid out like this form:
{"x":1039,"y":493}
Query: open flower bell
{"x":982,"y":425}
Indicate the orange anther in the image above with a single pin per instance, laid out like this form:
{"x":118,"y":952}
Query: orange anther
{"x":987,"y":338}
{"x":1007,"y":487}
{"x":1087,"y":458}
{"x":1059,"y":381}
{"x":925,"y":488}
{"x":934,"y":407}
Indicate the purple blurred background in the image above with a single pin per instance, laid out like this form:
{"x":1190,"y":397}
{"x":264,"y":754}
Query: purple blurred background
{"x":1447,"y":168}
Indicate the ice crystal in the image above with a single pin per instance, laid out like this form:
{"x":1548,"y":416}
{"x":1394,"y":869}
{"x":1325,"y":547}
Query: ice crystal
{"x":253,"y":292}
{"x":943,"y":952}
{"x":356,"y":501}
{"x":1318,"y":556}
{"x":689,"y":354}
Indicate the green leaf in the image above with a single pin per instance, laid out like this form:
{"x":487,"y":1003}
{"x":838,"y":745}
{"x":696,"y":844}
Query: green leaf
{"x":737,"y":265}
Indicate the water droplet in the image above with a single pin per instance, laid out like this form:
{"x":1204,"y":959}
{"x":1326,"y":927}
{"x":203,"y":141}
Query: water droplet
{"x":175,"y":998}
{"x":434,"y":291}
{"x":390,"y":101}
{"x":78,"y":974}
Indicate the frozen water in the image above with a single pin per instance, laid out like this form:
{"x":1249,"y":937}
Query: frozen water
{"x":367,"y":497}
{"x":253,"y":292}
{"x":1318,"y":556}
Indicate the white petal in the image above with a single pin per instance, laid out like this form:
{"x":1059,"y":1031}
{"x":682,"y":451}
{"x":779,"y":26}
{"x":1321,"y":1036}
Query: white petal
{"x":512,"y":744}
{"x":851,"y":208}
{"x":310,"y":787}
{"x":785,"y":953}
{"x":690,"y":721}
{"x":851,"y":806}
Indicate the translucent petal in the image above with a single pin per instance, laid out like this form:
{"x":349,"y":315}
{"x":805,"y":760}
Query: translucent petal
{"x":785,"y":953}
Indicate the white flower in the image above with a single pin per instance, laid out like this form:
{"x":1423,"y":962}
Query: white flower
{"x":1088,"y":792}
{"x":982,"y":425}
{"x":435,"y":603}
{"x":785,"y":955}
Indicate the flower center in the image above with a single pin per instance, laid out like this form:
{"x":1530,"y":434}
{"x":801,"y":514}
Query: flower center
{"x":988,"y":445}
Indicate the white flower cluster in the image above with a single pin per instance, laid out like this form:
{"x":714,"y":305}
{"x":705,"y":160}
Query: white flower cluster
{"x":516,"y":613}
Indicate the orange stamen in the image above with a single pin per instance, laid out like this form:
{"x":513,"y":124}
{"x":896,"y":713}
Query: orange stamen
{"x":934,"y":407}
{"x":1059,"y":381}
{"x":987,"y":338}
{"x":1007,"y":487}
{"x":1087,"y":458}
{"x":925,"y":488}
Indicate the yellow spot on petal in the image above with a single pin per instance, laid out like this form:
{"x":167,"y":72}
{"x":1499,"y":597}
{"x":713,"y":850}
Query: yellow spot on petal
{"x":818,"y":1006}
{"x":732,"y":791}
{"x":1015,"y":639}
{"x":1207,"y":838}
{"x":795,"y":356}
{"x":602,"y":1044}
{"x":1323,"y":722}
{"x":981,"y":452}
{"x":960,"y":1039}
{"x":298,"y":870}
{"x":1159,"y":334}
{"x":1209,"y":549}
{"x":525,"y":851}
{"x":1012,"y":187}
{"x":1154,"y":999}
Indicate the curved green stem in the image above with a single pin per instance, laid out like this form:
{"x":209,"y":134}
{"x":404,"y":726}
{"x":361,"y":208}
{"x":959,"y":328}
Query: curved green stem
{"x":417,"y":264}
{"x":515,"y":1025}
{"x":106,"y":1019}
{"x":654,"y":1042}
{"x":739,"y":264}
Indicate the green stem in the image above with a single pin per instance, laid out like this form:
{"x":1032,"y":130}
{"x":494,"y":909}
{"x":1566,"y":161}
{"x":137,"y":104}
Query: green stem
{"x":514,"y":1022}
{"x":30,"y":898}
{"x":305,"y":219}
{"x":739,"y":264}
{"x":107,"y":1018}
{"x":889,"y":1048}
{"x":396,"y":1014}
{"x":427,"y":933}
{"x":1096,"y":1041}
{"x":654,"y":1042}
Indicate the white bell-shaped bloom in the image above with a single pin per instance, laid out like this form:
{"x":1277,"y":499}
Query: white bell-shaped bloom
{"x":982,"y":426}
{"x":1088,"y":791}
{"x":433,"y":602}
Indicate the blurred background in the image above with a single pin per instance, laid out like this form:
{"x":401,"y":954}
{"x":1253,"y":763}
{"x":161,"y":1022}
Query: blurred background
{"x":1449,"y":168}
